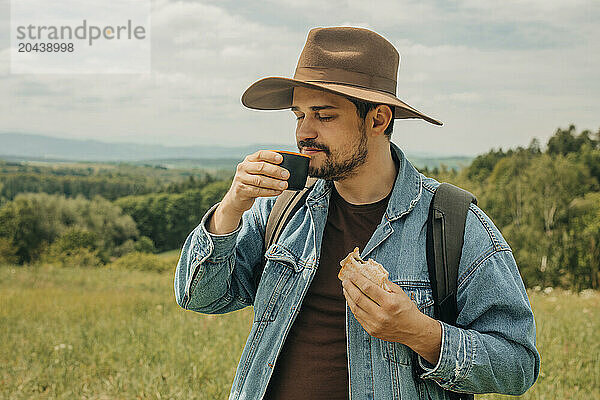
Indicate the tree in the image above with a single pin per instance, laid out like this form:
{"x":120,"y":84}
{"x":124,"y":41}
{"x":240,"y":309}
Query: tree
{"x":502,"y":194}
{"x":33,"y":221}
{"x":535,"y":203}
{"x":483,"y":165}
{"x":167,"y":218}
{"x":584,"y":241}
{"x":566,"y":141}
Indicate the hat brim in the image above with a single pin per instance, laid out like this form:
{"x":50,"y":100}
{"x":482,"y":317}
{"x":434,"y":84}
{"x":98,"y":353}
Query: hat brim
{"x":275,"y":93}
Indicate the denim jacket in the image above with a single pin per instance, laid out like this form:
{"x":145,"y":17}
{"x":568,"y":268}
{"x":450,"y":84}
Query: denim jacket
{"x":492,"y":348}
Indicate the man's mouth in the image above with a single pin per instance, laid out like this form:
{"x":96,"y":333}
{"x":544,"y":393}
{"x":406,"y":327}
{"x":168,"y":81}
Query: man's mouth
{"x":310,"y":150}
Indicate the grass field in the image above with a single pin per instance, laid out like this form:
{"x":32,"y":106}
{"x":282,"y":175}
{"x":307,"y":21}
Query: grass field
{"x":114,"y":334}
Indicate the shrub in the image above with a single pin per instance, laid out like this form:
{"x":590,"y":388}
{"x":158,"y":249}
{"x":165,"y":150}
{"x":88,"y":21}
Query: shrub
{"x":144,"y":245}
{"x":33,"y":220}
{"x":145,"y":262}
{"x":8,"y":252}
{"x":79,"y":257}
{"x":74,"y":238}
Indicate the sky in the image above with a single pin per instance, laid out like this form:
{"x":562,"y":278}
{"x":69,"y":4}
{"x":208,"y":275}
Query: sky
{"x":497,"y":73}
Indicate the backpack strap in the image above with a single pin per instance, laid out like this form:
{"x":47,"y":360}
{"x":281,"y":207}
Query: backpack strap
{"x":445,"y":237}
{"x":285,"y":207}
{"x":445,"y":233}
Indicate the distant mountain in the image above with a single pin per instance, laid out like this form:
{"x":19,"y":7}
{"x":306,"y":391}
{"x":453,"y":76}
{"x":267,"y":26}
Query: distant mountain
{"x":30,"y":147}
{"x":46,"y":147}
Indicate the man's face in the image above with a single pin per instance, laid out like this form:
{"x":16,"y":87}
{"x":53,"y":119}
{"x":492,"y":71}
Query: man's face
{"x":329,"y":130}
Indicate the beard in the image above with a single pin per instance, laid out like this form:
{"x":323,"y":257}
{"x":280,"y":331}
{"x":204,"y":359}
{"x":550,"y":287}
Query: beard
{"x":339,"y":165}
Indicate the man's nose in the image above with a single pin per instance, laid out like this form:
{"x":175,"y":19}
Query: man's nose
{"x":306,"y":129}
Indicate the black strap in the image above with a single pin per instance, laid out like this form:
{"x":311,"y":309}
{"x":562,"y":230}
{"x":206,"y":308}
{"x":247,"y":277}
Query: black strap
{"x":445,"y":233}
{"x":445,"y":237}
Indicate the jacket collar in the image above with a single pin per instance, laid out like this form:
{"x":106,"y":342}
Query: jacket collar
{"x":405,"y":194}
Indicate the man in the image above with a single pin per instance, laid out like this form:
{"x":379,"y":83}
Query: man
{"x":312,"y":337}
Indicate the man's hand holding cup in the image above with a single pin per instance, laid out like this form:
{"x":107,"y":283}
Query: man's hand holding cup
{"x":259,"y":175}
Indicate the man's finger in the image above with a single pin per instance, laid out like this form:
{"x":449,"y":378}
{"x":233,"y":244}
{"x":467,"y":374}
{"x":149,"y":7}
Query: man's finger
{"x":359,"y":298}
{"x":264,"y":182}
{"x":358,"y":312}
{"x":376,"y":293}
{"x":250,"y":191}
{"x":363,"y":318}
{"x":393,"y":287}
{"x":266,"y":155}
{"x":267,"y":169}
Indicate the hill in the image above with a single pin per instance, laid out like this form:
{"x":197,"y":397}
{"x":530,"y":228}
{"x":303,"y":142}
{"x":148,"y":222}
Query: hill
{"x":30,"y":147}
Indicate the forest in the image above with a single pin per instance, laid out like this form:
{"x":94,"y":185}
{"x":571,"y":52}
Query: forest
{"x":545,"y":199}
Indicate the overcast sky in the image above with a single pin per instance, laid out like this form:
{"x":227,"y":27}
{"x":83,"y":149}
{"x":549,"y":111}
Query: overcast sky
{"x":497,"y":73}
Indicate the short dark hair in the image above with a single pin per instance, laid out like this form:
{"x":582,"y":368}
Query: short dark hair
{"x":363,"y":107}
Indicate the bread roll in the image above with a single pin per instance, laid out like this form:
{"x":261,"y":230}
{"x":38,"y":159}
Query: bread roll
{"x":371,"y":269}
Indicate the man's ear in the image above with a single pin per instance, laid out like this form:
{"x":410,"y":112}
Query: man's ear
{"x":380,"y":119}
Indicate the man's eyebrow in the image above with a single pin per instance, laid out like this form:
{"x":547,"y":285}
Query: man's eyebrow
{"x":314,"y":108}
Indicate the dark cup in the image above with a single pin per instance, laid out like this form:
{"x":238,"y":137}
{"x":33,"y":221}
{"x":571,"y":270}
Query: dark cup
{"x":297,"y":165}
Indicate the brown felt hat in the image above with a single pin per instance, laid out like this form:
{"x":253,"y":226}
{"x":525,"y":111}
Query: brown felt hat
{"x":352,"y":62}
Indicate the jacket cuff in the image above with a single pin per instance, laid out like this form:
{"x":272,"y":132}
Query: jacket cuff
{"x":455,"y":360}
{"x":222,"y":244}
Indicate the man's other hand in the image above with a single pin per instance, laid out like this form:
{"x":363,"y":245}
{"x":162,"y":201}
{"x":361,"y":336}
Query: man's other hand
{"x":392,"y":316}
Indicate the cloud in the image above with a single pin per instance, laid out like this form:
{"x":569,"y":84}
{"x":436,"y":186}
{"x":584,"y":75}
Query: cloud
{"x":462,"y":97}
{"x":496,"y":73}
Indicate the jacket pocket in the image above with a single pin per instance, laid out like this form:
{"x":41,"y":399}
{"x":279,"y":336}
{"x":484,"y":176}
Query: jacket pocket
{"x":420,"y":293}
{"x":276,"y":282}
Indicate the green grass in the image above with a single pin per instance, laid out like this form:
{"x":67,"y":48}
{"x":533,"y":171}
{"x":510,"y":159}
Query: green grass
{"x":567,"y":327}
{"x":171,"y":253}
{"x":114,"y":334}
{"x":74,"y":333}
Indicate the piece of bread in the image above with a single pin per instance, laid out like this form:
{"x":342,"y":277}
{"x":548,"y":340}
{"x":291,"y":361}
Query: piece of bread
{"x":371,"y":269}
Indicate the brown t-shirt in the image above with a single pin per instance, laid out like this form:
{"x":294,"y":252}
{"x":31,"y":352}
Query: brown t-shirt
{"x":313,"y":361}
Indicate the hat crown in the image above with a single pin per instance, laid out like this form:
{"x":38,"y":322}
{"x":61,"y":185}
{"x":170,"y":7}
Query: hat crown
{"x":351,"y":49}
